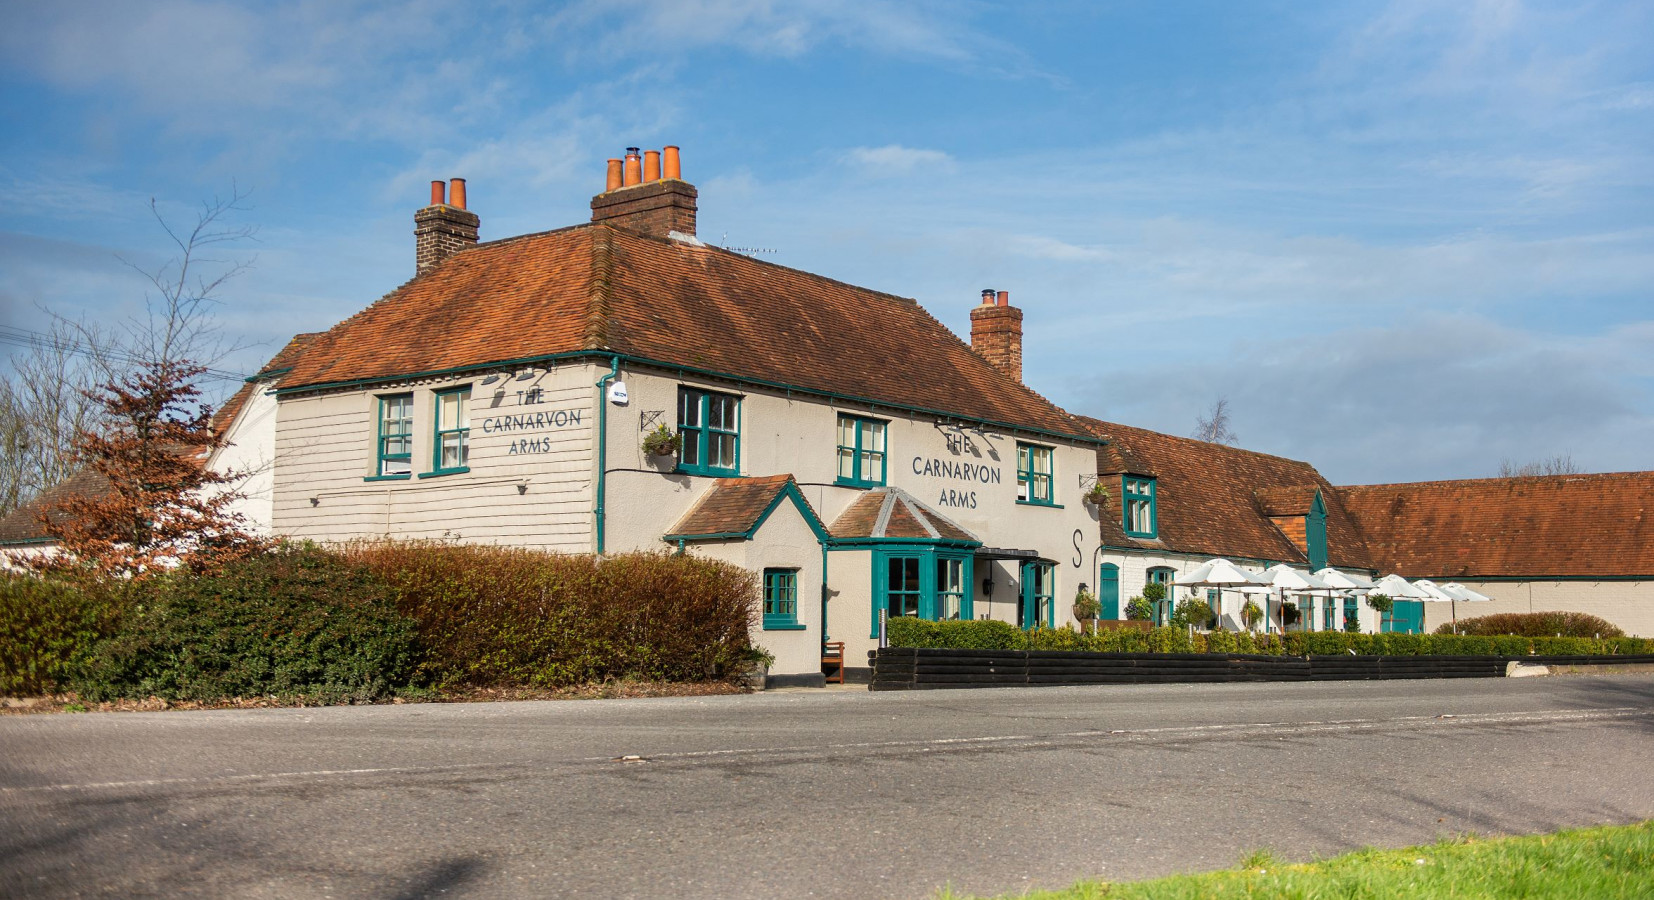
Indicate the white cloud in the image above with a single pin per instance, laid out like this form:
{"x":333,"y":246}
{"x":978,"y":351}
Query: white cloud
{"x":894,"y":159}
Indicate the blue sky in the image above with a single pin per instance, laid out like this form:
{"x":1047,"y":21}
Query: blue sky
{"x":1404,"y":240}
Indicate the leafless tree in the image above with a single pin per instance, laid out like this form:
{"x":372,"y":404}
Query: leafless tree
{"x":1560,"y":464}
{"x":47,"y":399}
{"x":1214,"y":426}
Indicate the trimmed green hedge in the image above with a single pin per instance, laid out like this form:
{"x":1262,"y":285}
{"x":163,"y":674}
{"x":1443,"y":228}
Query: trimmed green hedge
{"x":988,"y":635}
{"x":45,"y":623}
{"x":297,"y":621}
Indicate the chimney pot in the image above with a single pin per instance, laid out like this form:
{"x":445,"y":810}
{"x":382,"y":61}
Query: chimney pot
{"x":649,"y":203}
{"x":996,"y":332}
{"x":443,"y":229}
{"x":456,"y":192}
{"x":634,"y":167}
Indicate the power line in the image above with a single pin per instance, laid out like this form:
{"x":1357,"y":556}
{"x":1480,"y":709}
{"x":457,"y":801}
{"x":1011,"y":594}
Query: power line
{"x":22,"y":337}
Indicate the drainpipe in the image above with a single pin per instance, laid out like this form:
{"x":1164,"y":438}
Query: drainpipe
{"x":603,"y":443}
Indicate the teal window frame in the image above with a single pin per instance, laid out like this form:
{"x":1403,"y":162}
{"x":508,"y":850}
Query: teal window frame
{"x":1352,"y":612}
{"x":1030,"y":479}
{"x":1166,"y":606}
{"x":383,"y":439}
{"x":700,"y":433}
{"x":925,"y":593}
{"x":1142,"y":497}
{"x":858,"y":454}
{"x":1315,"y":534}
{"x":461,"y":433}
{"x":1035,"y":602}
{"x":781,"y":600}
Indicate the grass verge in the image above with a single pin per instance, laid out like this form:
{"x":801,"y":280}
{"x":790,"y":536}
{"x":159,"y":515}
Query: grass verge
{"x":1597,"y":863}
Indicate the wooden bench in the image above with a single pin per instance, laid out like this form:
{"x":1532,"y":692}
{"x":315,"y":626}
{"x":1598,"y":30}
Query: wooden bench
{"x":832,"y":654}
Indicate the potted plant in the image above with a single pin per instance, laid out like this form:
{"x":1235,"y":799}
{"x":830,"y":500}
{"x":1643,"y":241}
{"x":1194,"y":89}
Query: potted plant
{"x":758,"y":661}
{"x":662,"y":442}
{"x":1098,"y":495}
{"x":1382,"y":604}
{"x":1086,"y":608}
{"x":1251,"y":614}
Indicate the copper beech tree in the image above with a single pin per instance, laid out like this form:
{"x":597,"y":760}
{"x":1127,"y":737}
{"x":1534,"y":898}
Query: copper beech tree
{"x":164,"y":506}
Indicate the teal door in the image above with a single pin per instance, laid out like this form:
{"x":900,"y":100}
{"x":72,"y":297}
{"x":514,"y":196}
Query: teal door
{"x":1108,"y":591}
{"x":1038,"y":596}
{"x":1406,"y":617}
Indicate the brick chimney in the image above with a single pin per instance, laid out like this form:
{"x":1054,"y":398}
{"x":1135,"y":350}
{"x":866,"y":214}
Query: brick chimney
{"x":639,"y":197}
{"x":996,"y":332}
{"x":443,"y":228}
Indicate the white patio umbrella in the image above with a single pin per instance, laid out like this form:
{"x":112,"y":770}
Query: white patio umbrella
{"x":1223,"y":575}
{"x":1452,"y":592}
{"x":1398,"y":588}
{"x":1285,"y":578}
{"x":1436,"y":595}
{"x":1344,"y":582}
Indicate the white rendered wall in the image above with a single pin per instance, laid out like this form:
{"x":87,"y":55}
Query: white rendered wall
{"x":1628,"y":604}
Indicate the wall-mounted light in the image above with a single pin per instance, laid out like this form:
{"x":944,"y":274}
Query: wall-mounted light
{"x":315,"y":501}
{"x":522,"y":488}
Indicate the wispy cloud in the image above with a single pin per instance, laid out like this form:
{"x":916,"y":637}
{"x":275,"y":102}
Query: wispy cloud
{"x":894,"y":159}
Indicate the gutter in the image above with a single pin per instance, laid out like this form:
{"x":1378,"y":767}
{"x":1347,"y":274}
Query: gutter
{"x":603,"y":444}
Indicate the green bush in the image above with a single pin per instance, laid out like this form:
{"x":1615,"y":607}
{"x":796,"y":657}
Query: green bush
{"x":1193,"y":611}
{"x":495,"y":616}
{"x":909,"y":632}
{"x":45,"y":623}
{"x":1140,"y":609}
{"x":1539,"y":624}
{"x":297,"y":621}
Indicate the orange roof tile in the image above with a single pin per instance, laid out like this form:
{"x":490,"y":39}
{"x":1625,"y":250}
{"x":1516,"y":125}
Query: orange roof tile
{"x":734,"y":506}
{"x":605,"y":290}
{"x":1555,"y":525}
{"x":1216,"y":500}
{"x":890,"y":512}
{"x":284,"y":359}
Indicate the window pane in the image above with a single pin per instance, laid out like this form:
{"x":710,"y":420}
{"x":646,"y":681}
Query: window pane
{"x":689,"y":452}
{"x":872,"y":468}
{"x":395,"y":467}
{"x":1042,"y":460}
{"x":846,"y":431}
{"x":720,"y":450}
{"x":846,"y":462}
{"x":689,"y":408}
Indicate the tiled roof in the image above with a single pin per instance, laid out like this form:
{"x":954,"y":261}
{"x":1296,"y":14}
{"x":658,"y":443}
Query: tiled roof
{"x":23,"y":525}
{"x":733,"y":506}
{"x":1559,"y":525}
{"x":1216,"y":500}
{"x":890,"y":512}
{"x":284,"y":359}
{"x":601,"y":289}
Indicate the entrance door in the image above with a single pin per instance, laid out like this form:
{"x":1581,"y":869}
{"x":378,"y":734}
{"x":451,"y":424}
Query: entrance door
{"x":1038,"y":596}
{"x":1108,"y":591}
{"x":1406,"y":617}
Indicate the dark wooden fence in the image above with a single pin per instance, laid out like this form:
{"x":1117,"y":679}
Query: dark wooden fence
{"x":906,"y":668}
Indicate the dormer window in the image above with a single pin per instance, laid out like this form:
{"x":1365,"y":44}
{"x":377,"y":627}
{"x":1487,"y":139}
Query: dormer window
{"x":1138,"y":513}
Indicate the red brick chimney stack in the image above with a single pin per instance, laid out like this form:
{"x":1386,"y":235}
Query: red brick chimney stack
{"x":644,"y":198}
{"x":996,"y":332}
{"x":443,"y":228}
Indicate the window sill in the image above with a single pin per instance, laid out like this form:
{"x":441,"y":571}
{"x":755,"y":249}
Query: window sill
{"x":441,"y":472}
{"x":402,"y":477}
{"x":1040,"y":503}
{"x":855,"y":483}
{"x":1150,"y":536}
{"x":781,"y":626}
{"x":706,"y":473}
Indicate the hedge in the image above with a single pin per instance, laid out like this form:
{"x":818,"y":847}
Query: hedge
{"x":371,"y":620}
{"x":496,"y":616}
{"x":1538,"y":624}
{"x":992,"y":635}
{"x":297,"y":621}
{"x":45,"y":624}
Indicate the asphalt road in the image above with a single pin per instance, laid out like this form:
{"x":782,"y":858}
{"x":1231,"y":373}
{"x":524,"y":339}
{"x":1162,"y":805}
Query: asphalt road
{"x":823,"y":794}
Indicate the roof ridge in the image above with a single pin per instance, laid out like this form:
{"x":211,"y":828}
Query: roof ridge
{"x":595,"y":335}
{"x":1509,"y":479}
{"x":1098,"y":425}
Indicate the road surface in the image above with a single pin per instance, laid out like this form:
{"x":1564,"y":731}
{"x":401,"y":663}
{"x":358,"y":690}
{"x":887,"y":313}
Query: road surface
{"x":802,"y":794}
